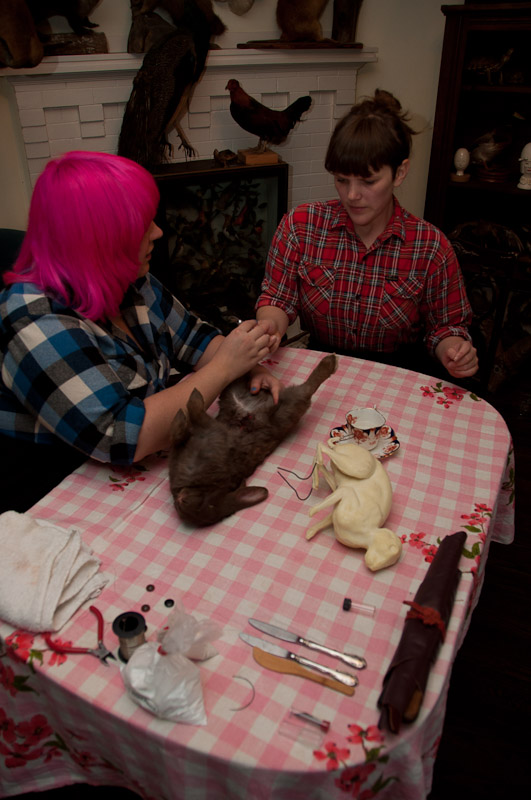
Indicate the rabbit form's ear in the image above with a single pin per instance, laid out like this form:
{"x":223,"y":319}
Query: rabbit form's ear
{"x":180,"y":428}
{"x":248,"y":496}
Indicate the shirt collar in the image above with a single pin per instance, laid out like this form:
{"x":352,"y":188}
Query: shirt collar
{"x":395,"y":227}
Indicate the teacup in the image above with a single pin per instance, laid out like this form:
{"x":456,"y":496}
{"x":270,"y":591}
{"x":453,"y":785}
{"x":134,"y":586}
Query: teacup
{"x":365,"y":425}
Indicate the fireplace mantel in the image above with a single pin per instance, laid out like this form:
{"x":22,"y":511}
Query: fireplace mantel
{"x":77,"y":103}
{"x":126,"y":62}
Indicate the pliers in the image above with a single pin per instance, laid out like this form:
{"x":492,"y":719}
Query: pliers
{"x":100,"y":651}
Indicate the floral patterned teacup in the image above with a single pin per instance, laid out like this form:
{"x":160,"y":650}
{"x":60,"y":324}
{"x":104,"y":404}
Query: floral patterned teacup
{"x":365,"y":425}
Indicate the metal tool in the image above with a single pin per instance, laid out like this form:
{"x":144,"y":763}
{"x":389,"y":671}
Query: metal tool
{"x":100,"y":651}
{"x":280,"y":633}
{"x":262,"y":644}
{"x":323,"y":724}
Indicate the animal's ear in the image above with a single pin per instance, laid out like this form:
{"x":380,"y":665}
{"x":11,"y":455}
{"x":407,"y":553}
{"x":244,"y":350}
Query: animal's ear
{"x":249,"y":496}
{"x":195,"y":404}
{"x":179,"y":429}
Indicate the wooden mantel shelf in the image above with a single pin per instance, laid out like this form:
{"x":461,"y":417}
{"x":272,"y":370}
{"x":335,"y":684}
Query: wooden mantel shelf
{"x":243,"y":58}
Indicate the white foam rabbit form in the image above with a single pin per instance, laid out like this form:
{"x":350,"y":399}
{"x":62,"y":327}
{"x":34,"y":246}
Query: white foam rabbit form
{"x":362,"y":496}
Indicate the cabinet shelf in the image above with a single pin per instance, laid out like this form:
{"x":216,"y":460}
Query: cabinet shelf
{"x":495,"y":187}
{"x":486,"y":89}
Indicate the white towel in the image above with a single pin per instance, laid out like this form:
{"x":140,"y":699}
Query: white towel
{"x":46,"y":573}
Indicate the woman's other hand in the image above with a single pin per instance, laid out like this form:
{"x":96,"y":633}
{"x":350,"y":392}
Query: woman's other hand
{"x":277,"y":323}
{"x":261,"y":378}
{"x":458,"y":356}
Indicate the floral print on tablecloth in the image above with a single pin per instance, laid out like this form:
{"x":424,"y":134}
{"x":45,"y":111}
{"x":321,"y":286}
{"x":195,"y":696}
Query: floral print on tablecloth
{"x":365,"y":780}
{"x":28,"y":737}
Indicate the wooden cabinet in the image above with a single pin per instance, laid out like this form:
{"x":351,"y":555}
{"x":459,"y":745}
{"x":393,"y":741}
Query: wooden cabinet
{"x":218,"y":223}
{"x":484,"y":105}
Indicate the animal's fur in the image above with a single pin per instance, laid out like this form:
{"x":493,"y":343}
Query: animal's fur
{"x":299,"y":20}
{"x":211,"y":457}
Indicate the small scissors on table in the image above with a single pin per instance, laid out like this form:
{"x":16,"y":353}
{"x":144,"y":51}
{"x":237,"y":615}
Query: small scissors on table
{"x":100,"y":651}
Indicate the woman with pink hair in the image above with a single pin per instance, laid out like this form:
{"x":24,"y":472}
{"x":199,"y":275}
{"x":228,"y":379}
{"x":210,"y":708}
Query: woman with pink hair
{"x":90,"y":343}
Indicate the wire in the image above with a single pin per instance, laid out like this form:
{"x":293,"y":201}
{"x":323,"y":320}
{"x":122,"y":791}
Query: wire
{"x":280,"y":470}
{"x":242,"y":678}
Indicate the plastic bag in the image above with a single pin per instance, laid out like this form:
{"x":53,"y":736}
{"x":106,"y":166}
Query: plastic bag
{"x":167,"y":685}
{"x":185,"y":634}
{"x":161,"y":677}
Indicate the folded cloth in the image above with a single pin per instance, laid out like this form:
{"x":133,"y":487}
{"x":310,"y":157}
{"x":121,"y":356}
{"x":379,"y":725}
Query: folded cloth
{"x":424,"y":630}
{"x":46,"y":573}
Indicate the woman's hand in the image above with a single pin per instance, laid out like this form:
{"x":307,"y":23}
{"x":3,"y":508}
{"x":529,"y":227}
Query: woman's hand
{"x":243,"y":348}
{"x":277,"y":322}
{"x":458,"y":356}
{"x":261,"y":378}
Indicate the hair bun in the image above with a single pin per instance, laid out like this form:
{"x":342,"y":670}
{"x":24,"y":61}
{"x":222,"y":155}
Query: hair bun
{"x":387,"y":100}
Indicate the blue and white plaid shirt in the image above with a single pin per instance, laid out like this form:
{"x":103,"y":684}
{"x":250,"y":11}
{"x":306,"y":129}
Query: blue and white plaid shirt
{"x":62,"y":375}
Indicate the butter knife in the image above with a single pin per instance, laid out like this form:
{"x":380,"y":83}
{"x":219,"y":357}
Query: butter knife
{"x":274,"y":650}
{"x":280,"y":633}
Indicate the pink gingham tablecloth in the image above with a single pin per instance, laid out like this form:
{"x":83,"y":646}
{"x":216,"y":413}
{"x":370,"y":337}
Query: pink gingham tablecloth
{"x":68,"y":719}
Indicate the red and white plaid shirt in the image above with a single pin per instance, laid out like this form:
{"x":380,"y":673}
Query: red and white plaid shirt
{"x":405,"y":286}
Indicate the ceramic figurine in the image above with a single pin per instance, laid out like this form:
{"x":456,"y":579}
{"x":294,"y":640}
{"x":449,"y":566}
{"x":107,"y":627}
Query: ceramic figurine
{"x":461,"y":162}
{"x":525,"y":167}
{"x":361,"y":496}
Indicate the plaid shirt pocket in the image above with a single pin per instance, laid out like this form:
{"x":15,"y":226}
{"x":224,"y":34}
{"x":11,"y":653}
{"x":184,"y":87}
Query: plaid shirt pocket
{"x":401,"y":301}
{"x":316,"y":282}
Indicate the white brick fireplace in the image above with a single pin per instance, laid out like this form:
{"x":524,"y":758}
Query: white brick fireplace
{"x":77,"y":102}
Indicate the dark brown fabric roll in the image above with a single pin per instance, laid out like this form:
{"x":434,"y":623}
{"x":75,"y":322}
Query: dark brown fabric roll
{"x":405,"y":680}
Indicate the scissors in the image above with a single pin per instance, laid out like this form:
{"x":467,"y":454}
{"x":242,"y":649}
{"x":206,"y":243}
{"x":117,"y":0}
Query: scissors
{"x":100,"y":651}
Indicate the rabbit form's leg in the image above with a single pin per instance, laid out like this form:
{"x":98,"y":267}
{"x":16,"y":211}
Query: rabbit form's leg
{"x":319,"y":468}
{"x":331,"y":500}
{"x":321,"y":525}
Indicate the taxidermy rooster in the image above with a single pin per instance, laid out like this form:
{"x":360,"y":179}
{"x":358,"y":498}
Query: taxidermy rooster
{"x":272,"y":127}
{"x":164,"y":84}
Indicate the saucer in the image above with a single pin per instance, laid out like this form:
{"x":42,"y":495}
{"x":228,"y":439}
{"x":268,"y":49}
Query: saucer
{"x":387,"y":444}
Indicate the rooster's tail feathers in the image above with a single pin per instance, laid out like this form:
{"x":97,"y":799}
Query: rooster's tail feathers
{"x":297,"y":108}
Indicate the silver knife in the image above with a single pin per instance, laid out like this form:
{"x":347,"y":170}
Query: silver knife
{"x":274,"y":650}
{"x":280,"y":633}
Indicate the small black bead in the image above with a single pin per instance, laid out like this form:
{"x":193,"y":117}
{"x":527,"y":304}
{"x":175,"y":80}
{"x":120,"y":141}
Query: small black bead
{"x":169,"y":603}
{"x":150,"y":588}
{"x":347,"y":603}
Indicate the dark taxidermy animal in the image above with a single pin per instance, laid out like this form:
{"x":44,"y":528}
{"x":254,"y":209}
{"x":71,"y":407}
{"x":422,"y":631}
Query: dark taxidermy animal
{"x":75,"y":11}
{"x":163,"y":85}
{"x":272,"y":127}
{"x":299,"y":20}
{"x":211,"y":457}
{"x":20,"y":45}
{"x":21,"y":41}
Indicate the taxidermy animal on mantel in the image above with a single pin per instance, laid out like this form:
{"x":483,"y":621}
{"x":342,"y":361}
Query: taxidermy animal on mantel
{"x":164,"y":84}
{"x":211,"y":457}
{"x":21,"y":40}
{"x":271,"y":127}
{"x":299,"y":20}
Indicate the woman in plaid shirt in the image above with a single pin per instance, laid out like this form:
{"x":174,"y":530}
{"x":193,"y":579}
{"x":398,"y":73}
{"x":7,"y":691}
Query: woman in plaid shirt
{"x":366,"y":277}
{"x":90,"y":342}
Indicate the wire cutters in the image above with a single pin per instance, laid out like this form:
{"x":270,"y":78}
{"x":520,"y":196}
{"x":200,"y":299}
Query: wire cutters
{"x":100,"y":651}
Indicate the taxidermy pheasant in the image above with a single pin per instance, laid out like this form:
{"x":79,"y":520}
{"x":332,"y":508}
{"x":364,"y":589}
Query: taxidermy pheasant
{"x":164,"y":84}
{"x":272,"y":127}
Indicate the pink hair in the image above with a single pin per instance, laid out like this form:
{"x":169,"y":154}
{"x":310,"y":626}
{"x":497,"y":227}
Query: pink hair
{"x":88,"y":215}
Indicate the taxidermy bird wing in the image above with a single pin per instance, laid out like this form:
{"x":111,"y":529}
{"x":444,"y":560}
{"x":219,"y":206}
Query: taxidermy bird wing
{"x":163,"y":86}
{"x":269,"y":125}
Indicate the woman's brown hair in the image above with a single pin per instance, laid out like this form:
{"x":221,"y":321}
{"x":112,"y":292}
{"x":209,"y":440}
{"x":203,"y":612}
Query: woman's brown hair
{"x":373,"y":134}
